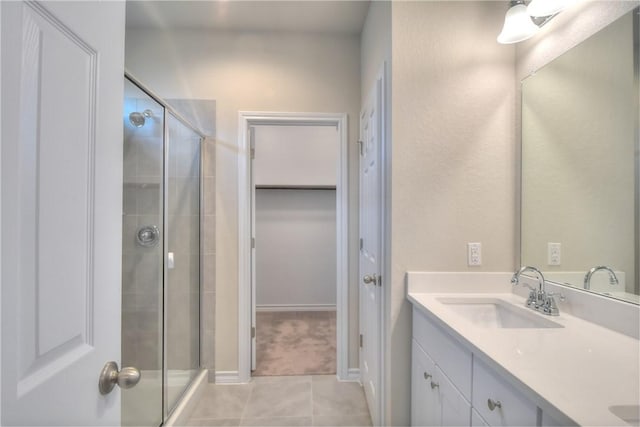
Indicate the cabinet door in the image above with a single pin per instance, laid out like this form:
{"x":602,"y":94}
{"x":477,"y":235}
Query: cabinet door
{"x":425,"y":406}
{"x":508,"y":407}
{"x":455,"y":409}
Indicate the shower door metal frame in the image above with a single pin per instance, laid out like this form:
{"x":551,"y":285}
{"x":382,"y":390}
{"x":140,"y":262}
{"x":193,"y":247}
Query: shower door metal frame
{"x":166,"y":411}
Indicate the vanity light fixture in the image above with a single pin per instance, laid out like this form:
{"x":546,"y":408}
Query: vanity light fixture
{"x":522,"y":22}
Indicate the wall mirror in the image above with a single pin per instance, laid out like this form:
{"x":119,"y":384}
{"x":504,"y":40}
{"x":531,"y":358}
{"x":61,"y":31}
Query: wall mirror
{"x":580,"y":164}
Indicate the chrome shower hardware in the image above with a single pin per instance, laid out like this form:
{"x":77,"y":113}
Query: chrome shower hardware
{"x":148,"y":236}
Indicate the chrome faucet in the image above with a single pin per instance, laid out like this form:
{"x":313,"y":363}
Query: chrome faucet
{"x":613,"y":279}
{"x":539,"y":299}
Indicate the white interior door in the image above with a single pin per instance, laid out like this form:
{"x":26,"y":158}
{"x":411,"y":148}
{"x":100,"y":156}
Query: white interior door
{"x":62,"y":94}
{"x":370,"y":250}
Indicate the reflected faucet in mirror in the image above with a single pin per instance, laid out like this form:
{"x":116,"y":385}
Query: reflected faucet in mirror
{"x":613,"y":279}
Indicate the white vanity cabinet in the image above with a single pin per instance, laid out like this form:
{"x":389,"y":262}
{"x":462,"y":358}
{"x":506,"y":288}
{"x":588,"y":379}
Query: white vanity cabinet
{"x":450,"y":387}
{"x":498,"y":402}
{"x":435,"y":400}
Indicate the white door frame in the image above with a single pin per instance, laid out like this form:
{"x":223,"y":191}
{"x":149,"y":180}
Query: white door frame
{"x":246,"y":120}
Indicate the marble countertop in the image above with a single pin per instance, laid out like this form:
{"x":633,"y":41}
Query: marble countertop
{"x":579,"y":370}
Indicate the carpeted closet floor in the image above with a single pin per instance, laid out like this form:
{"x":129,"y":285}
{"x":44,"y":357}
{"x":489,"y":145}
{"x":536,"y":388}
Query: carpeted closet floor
{"x":295,"y":343}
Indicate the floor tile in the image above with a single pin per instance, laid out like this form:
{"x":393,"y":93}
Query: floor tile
{"x":280,"y":397}
{"x":222,"y":401}
{"x":333,"y":397}
{"x":208,"y":422}
{"x":282,"y":379}
{"x":277,"y":421}
{"x":342,"y":421}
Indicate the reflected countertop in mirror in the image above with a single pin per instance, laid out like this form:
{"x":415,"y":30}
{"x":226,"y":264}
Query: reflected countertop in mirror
{"x":580,"y":171}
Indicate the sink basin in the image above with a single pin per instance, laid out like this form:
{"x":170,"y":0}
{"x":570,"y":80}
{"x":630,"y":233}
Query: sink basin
{"x":496,"y":313}
{"x":630,"y":414}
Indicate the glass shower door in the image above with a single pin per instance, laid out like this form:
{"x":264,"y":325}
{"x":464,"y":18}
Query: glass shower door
{"x":182,"y":286}
{"x":142,"y":256}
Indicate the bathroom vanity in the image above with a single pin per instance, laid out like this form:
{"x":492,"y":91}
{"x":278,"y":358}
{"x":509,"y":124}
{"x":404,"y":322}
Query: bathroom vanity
{"x":480,"y":357}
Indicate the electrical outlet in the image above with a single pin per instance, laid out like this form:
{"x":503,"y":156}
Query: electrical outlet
{"x":474,"y":254}
{"x":553,"y":253}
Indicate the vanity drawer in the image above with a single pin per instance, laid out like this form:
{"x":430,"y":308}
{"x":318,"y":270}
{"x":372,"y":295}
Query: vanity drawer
{"x":515,"y":409}
{"x":453,"y":359}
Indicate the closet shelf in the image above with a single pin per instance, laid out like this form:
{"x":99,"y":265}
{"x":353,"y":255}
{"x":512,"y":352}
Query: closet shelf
{"x":295,"y":187}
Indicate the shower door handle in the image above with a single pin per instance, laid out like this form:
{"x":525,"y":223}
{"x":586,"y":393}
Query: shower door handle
{"x":110,"y":376}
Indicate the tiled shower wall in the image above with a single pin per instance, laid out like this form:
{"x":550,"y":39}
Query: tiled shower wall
{"x":142,"y":267}
{"x":207,"y":355}
{"x":182,"y":285}
{"x":202,"y":113}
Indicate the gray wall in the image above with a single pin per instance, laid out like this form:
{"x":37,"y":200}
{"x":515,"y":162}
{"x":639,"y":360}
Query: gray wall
{"x":453,"y":160}
{"x":295,"y":248}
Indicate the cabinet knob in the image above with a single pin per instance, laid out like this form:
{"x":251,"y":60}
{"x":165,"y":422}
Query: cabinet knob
{"x":427,"y":376}
{"x":434,"y":385}
{"x":493,"y":404}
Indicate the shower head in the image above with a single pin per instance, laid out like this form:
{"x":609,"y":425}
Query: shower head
{"x":137,"y":119}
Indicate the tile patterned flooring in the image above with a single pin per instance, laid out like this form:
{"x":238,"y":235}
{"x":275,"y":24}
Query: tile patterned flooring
{"x":318,"y":400}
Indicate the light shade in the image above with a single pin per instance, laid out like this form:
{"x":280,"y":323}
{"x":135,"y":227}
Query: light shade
{"x":518,"y":25}
{"x":540,"y":8}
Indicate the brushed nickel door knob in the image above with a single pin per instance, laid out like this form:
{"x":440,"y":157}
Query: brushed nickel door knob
{"x":493,"y":404}
{"x":110,"y":376}
{"x":369,"y":279}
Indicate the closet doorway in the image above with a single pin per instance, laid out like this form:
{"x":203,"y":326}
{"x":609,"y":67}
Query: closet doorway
{"x":294,"y":283}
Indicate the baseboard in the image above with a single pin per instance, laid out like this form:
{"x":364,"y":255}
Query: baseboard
{"x":296,"y":307}
{"x":227,"y":377}
{"x":188,"y":402}
{"x":353,"y":374}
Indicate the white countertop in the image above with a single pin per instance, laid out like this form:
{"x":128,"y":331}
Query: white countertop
{"x":579,"y":370}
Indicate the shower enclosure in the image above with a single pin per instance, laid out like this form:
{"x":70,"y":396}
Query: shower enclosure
{"x":161,"y":263}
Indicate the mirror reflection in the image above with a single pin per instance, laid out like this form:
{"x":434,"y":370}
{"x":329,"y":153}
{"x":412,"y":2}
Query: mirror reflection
{"x":580,"y":164}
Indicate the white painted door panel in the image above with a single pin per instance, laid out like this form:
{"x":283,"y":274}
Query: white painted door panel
{"x":370,"y":251}
{"x":62,"y":86}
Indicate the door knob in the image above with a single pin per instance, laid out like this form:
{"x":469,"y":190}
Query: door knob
{"x":369,"y":278}
{"x":110,"y":376}
{"x":493,"y":404}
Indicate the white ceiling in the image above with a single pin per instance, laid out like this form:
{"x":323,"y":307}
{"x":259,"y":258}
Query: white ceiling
{"x":317,"y":16}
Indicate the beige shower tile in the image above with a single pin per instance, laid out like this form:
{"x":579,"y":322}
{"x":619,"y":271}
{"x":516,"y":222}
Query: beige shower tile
{"x":209,"y":196}
{"x":209,"y":272}
{"x":332,"y":397}
{"x":209,"y":153}
{"x":222,"y":401}
{"x":209,"y":234}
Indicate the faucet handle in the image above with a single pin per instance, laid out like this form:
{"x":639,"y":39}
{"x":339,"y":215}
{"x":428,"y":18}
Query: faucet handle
{"x":557,"y":294}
